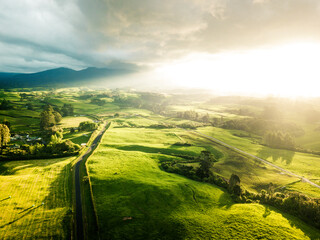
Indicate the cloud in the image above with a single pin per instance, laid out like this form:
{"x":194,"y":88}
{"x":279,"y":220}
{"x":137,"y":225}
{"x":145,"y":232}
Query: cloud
{"x":37,"y":34}
{"x":249,"y":23}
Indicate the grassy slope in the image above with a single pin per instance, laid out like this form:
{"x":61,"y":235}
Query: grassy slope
{"x":254,"y":175}
{"x":301,"y":163}
{"x":127,"y":182}
{"x":31,"y":183}
{"x":310,"y":140}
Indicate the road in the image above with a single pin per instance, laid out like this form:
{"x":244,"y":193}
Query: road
{"x":303,"y":179}
{"x":79,"y":214}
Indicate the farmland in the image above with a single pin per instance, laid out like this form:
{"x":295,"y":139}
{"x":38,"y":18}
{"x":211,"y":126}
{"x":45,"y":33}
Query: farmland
{"x":134,"y":197}
{"x":36,"y":199}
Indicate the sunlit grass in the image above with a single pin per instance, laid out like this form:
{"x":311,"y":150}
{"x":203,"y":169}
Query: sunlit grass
{"x":68,"y":122}
{"x":135,"y":199}
{"x":301,"y":163}
{"x":35,"y":199}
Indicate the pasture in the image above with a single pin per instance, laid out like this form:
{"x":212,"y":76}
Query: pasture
{"x":69,"y":122}
{"x":135,"y":199}
{"x":301,"y":163}
{"x":35,"y":199}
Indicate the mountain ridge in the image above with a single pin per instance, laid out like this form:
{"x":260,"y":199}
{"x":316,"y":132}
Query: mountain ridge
{"x":62,"y":76}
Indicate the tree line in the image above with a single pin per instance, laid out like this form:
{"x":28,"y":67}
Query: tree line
{"x":279,"y":140}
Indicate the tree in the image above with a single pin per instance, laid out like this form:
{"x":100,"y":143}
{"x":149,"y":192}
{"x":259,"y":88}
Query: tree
{"x":29,"y":106}
{"x":48,"y":108}
{"x":6,"y":122}
{"x":47,"y":120}
{"x":206,"y":118}
{"x":206,"y":162}
{"x":48,"y":132}
{"x":54,"y":139}
{"x":279,"y":140}
{"x":4,"y":135}
{"x":57,"y":117}
{"x":67,"y":110}
{"x":288,"y":141}
{"x":49,"y":117}
{"x":98,"y":101}
{"x":234,"y":184}
{"x":87,"y":126}
{"x":5,"y":105}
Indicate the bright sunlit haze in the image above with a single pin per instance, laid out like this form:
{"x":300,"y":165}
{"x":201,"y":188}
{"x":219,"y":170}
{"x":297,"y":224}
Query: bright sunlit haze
{"x":289,"y":70}
{"x":266,"y":47}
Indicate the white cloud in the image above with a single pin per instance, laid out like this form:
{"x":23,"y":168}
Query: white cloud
{"x":93,"y":33}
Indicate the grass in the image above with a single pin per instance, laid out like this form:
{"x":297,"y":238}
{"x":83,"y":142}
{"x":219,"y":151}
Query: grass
{"x":304,"y":188}
{"x":127,"y":181}
{"x":31,"y":183}
{"x":24,"y":124}
{"x":310,"y":140}
{"x":68,"y":122}
{"x":137,"y":200}
{"x":301,"y":163}
{"x":78,"y":137}
{"x":254,"y":175}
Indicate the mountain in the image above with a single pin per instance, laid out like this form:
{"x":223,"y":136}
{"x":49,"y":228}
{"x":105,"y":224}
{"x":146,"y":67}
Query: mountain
{"x":63,"y":77}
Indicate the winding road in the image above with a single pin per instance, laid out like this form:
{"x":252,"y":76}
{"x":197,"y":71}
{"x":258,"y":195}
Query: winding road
{"x":303,"y":179}
{"x":79,"y":214}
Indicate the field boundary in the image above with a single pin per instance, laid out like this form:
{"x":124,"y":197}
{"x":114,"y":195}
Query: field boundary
{"x":79,"y":186}
{"x":89,"y":180}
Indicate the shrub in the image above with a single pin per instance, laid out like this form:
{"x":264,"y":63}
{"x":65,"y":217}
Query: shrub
{"x":87,"y":126}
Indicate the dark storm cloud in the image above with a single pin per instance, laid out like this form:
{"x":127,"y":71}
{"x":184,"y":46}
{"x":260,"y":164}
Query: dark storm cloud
{"x":37,"y":34}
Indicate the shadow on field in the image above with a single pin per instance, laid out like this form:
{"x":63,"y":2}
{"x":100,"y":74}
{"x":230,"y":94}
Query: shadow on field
{"x":3,"y":199}
{"x":26,"y":212}
{"x":59,"y":193}
{"x":224,"y":200}
{"x":60,"y":190}
{"x":294,"y":222}
{"x":141,"y":210}
{"x":166,"y":151}
{"x":11,"y":167}
{"x":282,"y":155}
{"x":267,"y":212}
{"x":27,"y":209}
{"x":3,"y":168}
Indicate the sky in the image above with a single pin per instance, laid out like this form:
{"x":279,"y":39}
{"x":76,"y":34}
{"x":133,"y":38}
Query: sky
{"x":219,"y":43}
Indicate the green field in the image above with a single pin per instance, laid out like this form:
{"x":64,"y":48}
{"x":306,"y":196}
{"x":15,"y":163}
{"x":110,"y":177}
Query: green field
{"x":31,"y":183}
{"x":301,"y":163}
{"x":69,"y":122}
{"x":253,"y":174}
{"x":137,"y":200}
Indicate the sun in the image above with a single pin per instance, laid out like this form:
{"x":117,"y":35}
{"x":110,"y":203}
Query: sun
{"x":285,"y":70}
